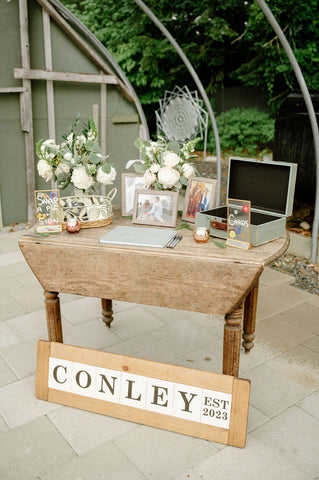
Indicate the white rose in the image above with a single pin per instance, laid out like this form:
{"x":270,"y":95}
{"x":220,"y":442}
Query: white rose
{"x":167,"y":176}
{"x":188,"y":170}
{"x":170,"y":159}
{"x":149,"y":178}
{"x":45,"y":170}
{"x":62,"y":168}
{"x":106,"y":178}
{"x":81,"y":179}
{"x":155,"y":168}
{"x":68,"y":156}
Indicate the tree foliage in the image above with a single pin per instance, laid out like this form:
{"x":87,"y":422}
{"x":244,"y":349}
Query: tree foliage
{"x":204,"y":30}
{"x":228,"y":42}
{"x":267,"y":65}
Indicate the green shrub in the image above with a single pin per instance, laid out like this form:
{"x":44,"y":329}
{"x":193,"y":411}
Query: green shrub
{"x":243,"y":131}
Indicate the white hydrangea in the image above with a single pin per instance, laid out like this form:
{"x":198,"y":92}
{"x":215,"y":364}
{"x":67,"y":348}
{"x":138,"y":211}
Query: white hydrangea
{"x":62,"y":168}
{"x":45,"y":170}
{"x":149,"y":178}
{"x":188,"y":170}
{"x":170,"y":159}
{"x":49,"y":144}
{"x":81,"y":179}
{"x":106,"y":178}
{"x":168,"y":177}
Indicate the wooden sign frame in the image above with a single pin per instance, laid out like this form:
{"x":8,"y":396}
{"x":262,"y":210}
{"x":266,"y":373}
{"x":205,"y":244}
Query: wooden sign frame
{"x":48,"y":211}
{"x":238,"y":223}
{"x":143,"y":391}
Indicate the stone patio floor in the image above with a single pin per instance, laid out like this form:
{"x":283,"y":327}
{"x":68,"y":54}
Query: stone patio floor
{"x":44,"y":441}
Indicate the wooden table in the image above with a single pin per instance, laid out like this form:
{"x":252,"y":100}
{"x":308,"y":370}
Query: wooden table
{"x":196,"y":277}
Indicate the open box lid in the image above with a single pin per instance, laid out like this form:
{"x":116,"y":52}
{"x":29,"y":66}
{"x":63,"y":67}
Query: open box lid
{"x":269,"y":186}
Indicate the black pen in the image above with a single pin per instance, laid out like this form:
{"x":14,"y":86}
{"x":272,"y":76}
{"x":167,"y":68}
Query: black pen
{"x":175,"y":241}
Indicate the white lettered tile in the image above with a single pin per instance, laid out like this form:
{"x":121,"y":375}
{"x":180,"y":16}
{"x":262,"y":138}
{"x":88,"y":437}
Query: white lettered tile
{"x":83,"y":379}
{"x":216,"y":408}
{"x":187,"y":402}
{"x":160,"y":396}
{"x":108,"y":385}
{"x":60,"y":374}
{"x":133,"y":390}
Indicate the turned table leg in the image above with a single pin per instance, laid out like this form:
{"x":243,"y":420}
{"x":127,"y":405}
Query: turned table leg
{"x":250,"y":319}
{"x":232,"y":337}
{"x":107,"y":312}
{"x":53,"y":313}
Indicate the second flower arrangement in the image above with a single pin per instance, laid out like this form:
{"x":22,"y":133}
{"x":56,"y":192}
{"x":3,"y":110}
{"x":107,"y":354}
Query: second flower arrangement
{"x":165,"y":165}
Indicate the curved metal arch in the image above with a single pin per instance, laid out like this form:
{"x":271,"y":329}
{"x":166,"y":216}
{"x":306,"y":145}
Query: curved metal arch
{"x":198,"y":83}
{"x":81,"y":28}
{"x":312,"y":116}
{"x":271,"y":19}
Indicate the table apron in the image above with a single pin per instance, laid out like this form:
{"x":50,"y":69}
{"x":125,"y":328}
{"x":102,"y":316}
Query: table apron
{"x":185,"y":282}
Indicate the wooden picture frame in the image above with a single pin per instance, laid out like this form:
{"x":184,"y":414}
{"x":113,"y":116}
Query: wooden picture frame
{"x":200,"y":196}
{"x":130,"y":183}
{"x":155,"y":207}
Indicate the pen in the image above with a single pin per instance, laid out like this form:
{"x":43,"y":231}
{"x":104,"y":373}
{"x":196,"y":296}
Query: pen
{"x":174,"y":241}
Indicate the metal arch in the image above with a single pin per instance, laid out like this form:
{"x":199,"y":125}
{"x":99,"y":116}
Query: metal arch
{"x":80,"y":27}
{"x":200,"y":87}
{"x":271,"y":19}
{"x":312,"y":116}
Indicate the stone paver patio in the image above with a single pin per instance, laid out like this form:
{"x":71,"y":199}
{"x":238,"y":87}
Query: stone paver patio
{"x":44,"y":441}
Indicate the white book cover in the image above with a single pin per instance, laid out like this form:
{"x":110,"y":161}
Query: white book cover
{"x":139,"y":236}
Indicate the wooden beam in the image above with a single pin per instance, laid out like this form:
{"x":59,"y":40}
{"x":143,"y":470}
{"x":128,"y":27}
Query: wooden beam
{"x":13,"y":89}
{"x":78,"y":40}
{"x":49,"y":83}
{"x":26,"y":110}
{"x":64,"y":76}
{"x":103,"y":127}
{"x":48,"y":66}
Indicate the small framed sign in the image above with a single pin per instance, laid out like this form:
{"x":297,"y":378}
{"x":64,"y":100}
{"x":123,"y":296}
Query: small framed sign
{"x":48,"y":212}
{"x":238,"y":223}
{"x":193,"y":402}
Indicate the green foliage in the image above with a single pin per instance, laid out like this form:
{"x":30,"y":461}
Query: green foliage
{"x":204,"y":30}
{"x":243,"y":131}
{"x":229,"y":43}
{"x":266,"y":65}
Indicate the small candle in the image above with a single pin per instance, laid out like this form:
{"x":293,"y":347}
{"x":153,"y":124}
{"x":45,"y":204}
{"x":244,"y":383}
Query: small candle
{"x":201,"y":235}
{"x":73,"y":225}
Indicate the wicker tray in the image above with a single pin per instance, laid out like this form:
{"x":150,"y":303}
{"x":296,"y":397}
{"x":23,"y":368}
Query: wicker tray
{"x":91,"y":210}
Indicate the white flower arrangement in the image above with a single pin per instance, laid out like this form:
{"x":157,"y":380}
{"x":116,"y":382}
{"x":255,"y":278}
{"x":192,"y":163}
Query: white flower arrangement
{"x":165,"y":165}
{"x":77,"y":161}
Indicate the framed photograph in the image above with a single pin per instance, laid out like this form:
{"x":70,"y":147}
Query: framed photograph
{"x":130,"y":183}
{"x":200,"y":196}
{"x":155,"y":207}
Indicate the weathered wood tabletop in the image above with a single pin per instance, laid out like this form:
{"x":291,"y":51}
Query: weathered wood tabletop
{"x":195,"y":277}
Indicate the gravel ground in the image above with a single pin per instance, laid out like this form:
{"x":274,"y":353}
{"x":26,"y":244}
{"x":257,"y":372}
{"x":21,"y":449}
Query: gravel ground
{"x":306,"y":274}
